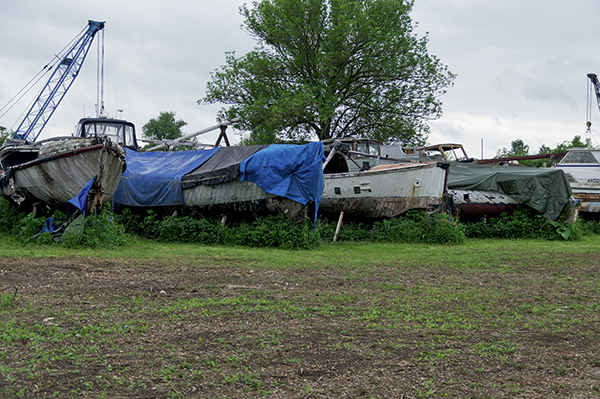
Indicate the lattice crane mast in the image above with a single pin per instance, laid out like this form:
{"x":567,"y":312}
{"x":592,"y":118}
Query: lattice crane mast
{"x":57,"y":86}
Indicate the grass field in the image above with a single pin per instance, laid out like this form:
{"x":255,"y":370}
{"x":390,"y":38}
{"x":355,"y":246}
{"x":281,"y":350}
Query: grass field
{"x":487,"y":319}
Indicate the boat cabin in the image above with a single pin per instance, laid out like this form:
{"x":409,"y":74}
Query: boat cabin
{"x":441,"y":152}
{"x":119,"y":131}
{"x":581,"y":156}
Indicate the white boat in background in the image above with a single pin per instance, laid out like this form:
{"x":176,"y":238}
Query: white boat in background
{"x":386,"y":190}
{"x":582,"y":168}
{"x":359,"y":182}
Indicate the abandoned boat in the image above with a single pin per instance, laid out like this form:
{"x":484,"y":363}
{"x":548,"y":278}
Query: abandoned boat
{"x":382,"y":191}
{"x":253,"y":180}
{"x":582,"y":168}
{"x":53,"y":171}
{"x":56,"y":170}
{"x":488,"y":190}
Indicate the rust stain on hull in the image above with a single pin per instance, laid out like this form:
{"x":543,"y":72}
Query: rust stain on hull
{"x":379,"y":207}
{"x":237,"y":197}
{"x":588,"y":202}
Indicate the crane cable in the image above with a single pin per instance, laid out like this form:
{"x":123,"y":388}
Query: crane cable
{"x":588,"y":106}
{"x":35,"y":80}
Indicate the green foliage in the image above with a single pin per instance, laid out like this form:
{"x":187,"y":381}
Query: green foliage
{"x":577,"y":142}
{"x":523,"y":223}
{"x":270,"y":231}
{"x":100,"y":230}
{"x":7,"y":299}
{"x":10,"y":215}
{"x":96,"y":231}
{"x":330,"y":69}
{"x":164,"y":127}
{"x":589,"y":227}
{"x":4,"y":134}
{"x":415,"y":226}
{"x":517,"y":149}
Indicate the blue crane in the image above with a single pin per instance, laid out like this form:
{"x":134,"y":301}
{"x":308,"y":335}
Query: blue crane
{"x":57,"y":86}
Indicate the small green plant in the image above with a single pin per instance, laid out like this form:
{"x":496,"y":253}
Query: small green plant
{"x":7,"y":300}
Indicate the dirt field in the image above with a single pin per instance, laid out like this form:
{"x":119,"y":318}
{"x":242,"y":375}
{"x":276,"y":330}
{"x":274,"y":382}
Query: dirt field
{"x":100,"y":328}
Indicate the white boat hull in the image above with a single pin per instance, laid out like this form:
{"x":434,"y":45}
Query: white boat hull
{"x":582,"y":167}
{"x":386,"y":191}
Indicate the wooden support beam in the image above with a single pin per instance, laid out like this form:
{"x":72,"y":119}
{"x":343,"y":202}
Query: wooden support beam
{"x":338,"y":227}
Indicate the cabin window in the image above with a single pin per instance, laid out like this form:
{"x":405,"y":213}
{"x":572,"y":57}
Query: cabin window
{"x":119,"y":133}
{"x":580,"y":157}
{"x":337,"y":190}
{"x":356,"y":190}
{"x":374,"y":149}
{"x":361,"y":147}
{"x":130,"y":137}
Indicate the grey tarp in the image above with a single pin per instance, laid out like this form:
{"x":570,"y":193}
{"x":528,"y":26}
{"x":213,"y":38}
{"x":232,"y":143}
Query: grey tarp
{"x":222,"y":167}
{"x":546,"y":190}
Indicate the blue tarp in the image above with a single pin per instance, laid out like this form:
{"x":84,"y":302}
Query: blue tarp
{"x":80,"y":200}
{"x":288,"y":170}
{"x":154,"y":178}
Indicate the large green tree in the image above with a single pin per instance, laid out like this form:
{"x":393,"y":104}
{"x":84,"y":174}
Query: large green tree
{"x":331,"y":69}
{"x":164,"y":127}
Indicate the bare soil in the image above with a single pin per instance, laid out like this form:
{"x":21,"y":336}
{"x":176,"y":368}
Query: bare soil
{"x":234,"y":350}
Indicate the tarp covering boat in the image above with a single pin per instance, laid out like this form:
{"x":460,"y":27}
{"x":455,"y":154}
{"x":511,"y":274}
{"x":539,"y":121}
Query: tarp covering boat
{"x":545,"y":190}
{"x":154,"y":178}
{"x":286,"y":170}
{"x":222,"y":167}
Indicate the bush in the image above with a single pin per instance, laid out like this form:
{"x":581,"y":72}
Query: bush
{"x":270,"y":231}
{"x":97,"y":230}
{"x":415,"y":226}
{"x":525,"y":223}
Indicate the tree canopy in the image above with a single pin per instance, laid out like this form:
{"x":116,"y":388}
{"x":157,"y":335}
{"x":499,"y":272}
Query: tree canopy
{"x":331,"y":69}
{"x":517,"y":149}
{"x":164,"y":127}
{"x":565,"y":145}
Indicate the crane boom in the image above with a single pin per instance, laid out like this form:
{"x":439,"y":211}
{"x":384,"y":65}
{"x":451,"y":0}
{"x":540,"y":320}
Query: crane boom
{"x":57,"y":86}
{"x":596,"y":85}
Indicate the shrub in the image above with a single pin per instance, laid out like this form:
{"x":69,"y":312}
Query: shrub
{"x":415,"y":226}
{"x":525,"y":223}
{"x":270,"y":231}
{"x":97,"y":230}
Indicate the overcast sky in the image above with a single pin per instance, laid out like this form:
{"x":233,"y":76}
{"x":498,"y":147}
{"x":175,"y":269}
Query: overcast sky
{"x":521,"y":64}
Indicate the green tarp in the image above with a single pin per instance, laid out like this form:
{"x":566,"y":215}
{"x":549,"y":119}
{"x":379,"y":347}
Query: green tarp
{"x":546,"y":190}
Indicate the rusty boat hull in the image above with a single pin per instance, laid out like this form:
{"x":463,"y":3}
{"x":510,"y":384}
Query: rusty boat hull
{"x":386,"y":191}
{"x":474,"y":204}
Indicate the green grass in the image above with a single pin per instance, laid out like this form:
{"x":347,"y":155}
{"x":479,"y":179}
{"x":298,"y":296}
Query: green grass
{"x":488,"y":318}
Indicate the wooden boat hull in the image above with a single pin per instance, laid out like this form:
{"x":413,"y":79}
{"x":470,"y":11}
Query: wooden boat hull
{"x":386,"y":191}
{"x":63,"y":170}
{"x":235,"y":197}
